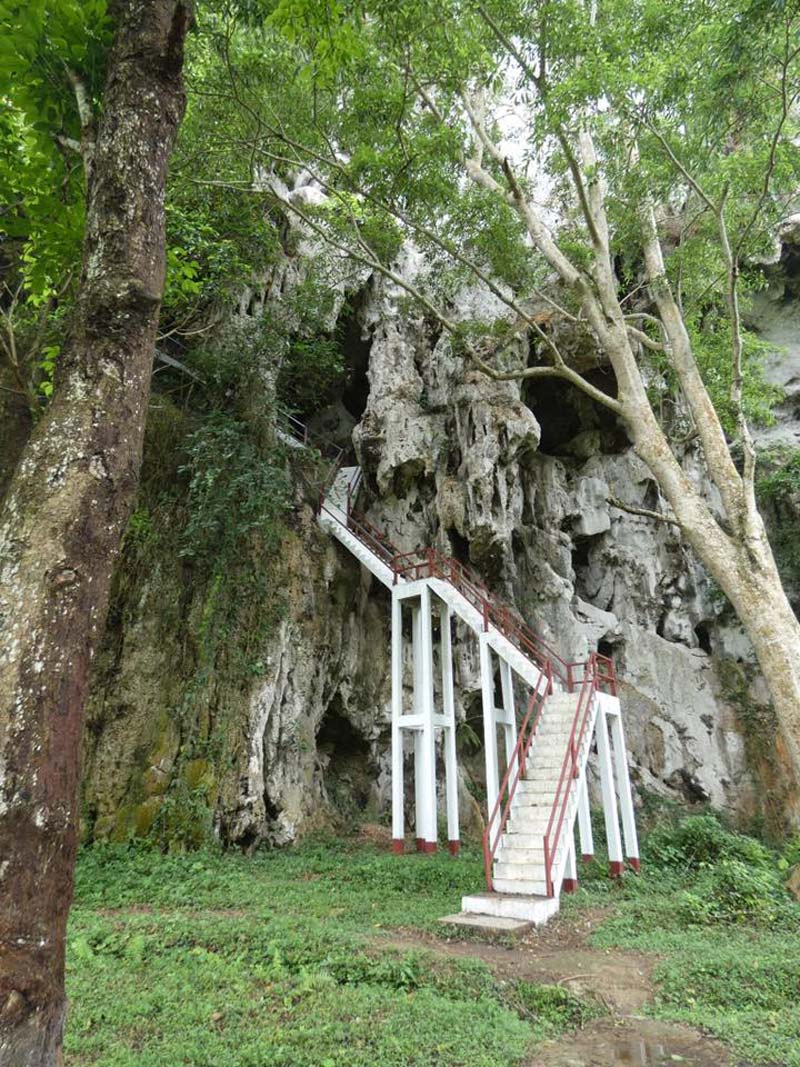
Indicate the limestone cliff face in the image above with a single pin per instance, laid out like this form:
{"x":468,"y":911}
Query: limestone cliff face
{"x":514,"y":480}
{"x":517,"y":484}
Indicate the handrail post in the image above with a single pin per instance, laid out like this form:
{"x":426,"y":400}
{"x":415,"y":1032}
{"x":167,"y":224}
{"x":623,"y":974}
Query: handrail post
{"x":485,"y":616}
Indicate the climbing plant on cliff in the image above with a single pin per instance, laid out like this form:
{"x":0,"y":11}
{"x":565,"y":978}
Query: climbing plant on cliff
{"x":610,"y":171}
{"x":72,"y":491}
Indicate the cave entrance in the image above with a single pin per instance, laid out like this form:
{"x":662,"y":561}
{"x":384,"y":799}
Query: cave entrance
{"x":346,"y":762}
{"x":355,"y":349}
{"x":563,"y":412}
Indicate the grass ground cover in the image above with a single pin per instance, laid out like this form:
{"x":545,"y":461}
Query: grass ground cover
{"x":712,"y":906}
{"x":206,"y":958}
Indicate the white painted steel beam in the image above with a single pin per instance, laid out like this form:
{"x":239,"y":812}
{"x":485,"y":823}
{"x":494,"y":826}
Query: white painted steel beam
{"x":610,"y":812}
{"x":585,"y":820}
{"x":624,"y":789}
{"x":449,"y":717}
{"x":398,"y":815}
{"x":508,"y":719}
{"x":428,"y":767}
{"x":570,"y":882}
{"x":489,"y":727}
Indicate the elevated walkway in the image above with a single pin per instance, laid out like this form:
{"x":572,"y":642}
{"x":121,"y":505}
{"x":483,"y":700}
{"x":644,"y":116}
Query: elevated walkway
{"x":536,"y":787}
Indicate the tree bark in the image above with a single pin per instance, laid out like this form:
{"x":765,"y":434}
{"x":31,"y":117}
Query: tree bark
{"x":63,"y":517}
{"x":745,"y":570}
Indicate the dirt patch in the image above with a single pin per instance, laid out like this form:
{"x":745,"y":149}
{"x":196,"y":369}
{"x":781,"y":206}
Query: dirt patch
{"x":632,"y":1043}
{"x":559,"y":954}
{"x":621,"y":981}
{"x":371,"y":833}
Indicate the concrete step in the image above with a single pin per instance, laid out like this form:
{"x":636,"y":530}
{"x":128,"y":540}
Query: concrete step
{"x":531,"y":826}
{"x":518,"y":855}
{"x":525,"y":799}
{"x":519,"y":886}
{"x":548,"y":743}
{"x":535,"y":908}
{"x":490,"y":924}
{"x":544,"y":761}
{"x":526,"y":871}
{"x":553,"y":736}
{"x":544,"y":785}
{"x":524,"y":848}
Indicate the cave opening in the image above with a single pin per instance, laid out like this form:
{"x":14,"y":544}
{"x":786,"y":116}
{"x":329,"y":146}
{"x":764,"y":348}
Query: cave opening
{"x":355,"y":349}
{"x":563,"y":413}
{"x":703,"y":634}
{"x":459,"y":545}
{"x":581,"y":548}
{"x":344,"y":756}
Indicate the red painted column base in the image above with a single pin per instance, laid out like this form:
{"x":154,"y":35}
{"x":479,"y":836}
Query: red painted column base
{"x":587,"y":857}
{"x":569,"y":885}
{"x":398,"y":846}
{"x":428,"y":846}
{"x":420,"y":844}
{"x":635,"y":864}
{"x":454,"y":847}
{"x":615,"y":868}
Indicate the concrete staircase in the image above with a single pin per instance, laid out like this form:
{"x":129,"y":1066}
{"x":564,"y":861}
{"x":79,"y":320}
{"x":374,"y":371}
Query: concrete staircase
{"x":520,"y":882}
{"x":334,"y":518}
{"x":527,"y":868}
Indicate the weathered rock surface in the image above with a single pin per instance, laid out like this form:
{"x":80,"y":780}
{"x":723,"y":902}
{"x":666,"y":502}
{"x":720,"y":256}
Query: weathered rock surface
{"x":514,"y":480}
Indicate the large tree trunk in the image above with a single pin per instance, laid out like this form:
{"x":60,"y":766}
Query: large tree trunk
{"x":761,"y":604}
{"x":64,"y":514}
{"x":745,"y":570}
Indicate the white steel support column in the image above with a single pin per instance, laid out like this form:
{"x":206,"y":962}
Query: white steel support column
{"x":585,"y":820}
{"x":449,"y":712}
{"x":625,"y":794}
{"x":570,"y":882}
{"x":509,"y":712}
{"x":489,"y":723}
{"x":419,"y":801}
{"x":398,"y":816}
{"x":613,"y":837}
{"x":427,"y":769}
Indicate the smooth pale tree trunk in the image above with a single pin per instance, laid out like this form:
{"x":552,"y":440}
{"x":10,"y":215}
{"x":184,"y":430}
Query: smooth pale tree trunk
{"x":736,"y":553}
{"x":63,"y":516}
{"x":744,"y":568}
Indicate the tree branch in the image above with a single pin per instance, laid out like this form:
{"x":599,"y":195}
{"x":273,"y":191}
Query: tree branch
{"x":645,"y":513}
{"x":87,"y":120}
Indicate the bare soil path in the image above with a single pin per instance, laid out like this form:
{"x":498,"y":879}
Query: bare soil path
{"x":621,"y":981}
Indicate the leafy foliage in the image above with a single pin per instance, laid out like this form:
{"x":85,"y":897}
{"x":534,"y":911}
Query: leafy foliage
{"x":712,"y":905}
{"x":297,"y":984}
{"x":700,"y":841}
{"x":233,"y":490}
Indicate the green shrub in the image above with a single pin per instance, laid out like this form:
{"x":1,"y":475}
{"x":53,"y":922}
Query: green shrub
{"x":235,"y":488}
{"x":553,"y":1007}
{"x":733,"y":892}
{"x":700,"y":840}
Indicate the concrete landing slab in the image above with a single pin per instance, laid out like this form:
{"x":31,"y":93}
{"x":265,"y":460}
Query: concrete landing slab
{"x":492,"y":924}
{"x":519,"y":906}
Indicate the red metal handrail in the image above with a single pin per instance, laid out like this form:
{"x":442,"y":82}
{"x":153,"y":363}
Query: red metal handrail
{"x":517,"y":763}
{"x":598,"y":671}
{"x":594,"y":674}
{"x":429,"y":563}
